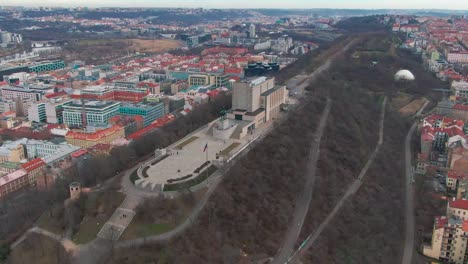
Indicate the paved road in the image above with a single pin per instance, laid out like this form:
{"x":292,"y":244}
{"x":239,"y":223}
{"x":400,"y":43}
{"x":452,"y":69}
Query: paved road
{"x":307,"y":243}
{"x":68,"y":245}
{"x":409,"y":210}
{"x":303,"y":84}
{"x":303,"y":201}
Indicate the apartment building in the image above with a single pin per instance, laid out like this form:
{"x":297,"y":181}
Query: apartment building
{"x":105,"y":136}
{"x":13,"y":182}
{"x":450,"y":234}
{"x":12,"y":151}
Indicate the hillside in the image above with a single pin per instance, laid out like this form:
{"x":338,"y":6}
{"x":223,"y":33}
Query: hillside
{"x":375,"y":214}
{"x":246,"y":219}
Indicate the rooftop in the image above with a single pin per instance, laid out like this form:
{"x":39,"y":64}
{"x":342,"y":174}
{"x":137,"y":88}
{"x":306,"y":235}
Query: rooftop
{"x":79,"y":153}
{"x":12,"y":177}
{"x":33,"y":164}
{"x":10,"y":165}
{"x":141,"y":105}
{"x":93,"y":136}
{"x":92,"y":104}
{"x":65,"y":150}
{"x":272,"y":90}
{"x":459,"y":204}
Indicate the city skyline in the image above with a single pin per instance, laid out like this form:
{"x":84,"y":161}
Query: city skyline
{"x":298,"y":4}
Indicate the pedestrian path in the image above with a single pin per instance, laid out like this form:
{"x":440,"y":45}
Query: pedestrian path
{"x":120,"y":219}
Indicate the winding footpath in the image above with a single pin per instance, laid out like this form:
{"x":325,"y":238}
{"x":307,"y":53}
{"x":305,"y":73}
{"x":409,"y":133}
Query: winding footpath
{"x":303,"y":201}
{"x":308,"y":242}
{"x":409,"y":192}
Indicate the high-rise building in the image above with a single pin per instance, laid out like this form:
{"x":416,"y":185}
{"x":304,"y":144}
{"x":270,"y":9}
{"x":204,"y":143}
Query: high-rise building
{"x":48,"y":111}
{"x":254,"y":102}
{"x":54,"y":110}
{"x":252,"y":31}
{"x":37,"y":112}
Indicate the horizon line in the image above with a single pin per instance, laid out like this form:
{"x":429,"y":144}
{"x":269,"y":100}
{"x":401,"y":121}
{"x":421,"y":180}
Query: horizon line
{"x":235,"y":8}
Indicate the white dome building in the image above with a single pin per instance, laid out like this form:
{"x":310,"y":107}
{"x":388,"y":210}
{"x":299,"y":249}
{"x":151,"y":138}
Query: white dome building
{"x":404,"y":75}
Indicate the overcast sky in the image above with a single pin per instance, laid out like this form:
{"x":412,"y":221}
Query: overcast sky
{"x":365,"y":4}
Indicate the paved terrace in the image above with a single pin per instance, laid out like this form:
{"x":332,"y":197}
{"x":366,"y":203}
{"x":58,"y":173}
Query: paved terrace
{"x":184,"y":161}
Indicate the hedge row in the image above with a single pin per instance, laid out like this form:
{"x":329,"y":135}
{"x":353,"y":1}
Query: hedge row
{"x":193,"y":182}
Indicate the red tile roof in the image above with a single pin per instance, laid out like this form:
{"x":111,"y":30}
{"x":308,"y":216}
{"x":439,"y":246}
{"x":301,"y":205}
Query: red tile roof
{"x":8,"y":113}
{"x":33,"y":164}
{"x":463,"y":107}
{"x":52,"y":95}
{"x":94,"y":136}
{"x":156,"y":124}
{"x":52,"y":126}
{"x":78,"y":153}
{"x":101,"y":146}
{"x":452,"y":174}
{"x":440,"y":222}
{"x":459,"y":204}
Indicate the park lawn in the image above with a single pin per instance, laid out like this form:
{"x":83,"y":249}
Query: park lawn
{"x":230,"y":148}
{"x":186,"y":142}
{"x":138,"y":229}
{"x":92,"y":222}
{"x":400,"y":100}
{"x":89,"y":228}
{"x":412,"y":108}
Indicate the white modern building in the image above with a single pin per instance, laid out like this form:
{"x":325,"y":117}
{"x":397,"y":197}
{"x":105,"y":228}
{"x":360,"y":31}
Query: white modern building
{"x":90,"y":112}
{"x":12,"y":92}
{"x":37,"y":112}
{"x":48,"y":111}
{"x":254,"y":101}
{"x":49,"y":151}
{"x":460,"y":88}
